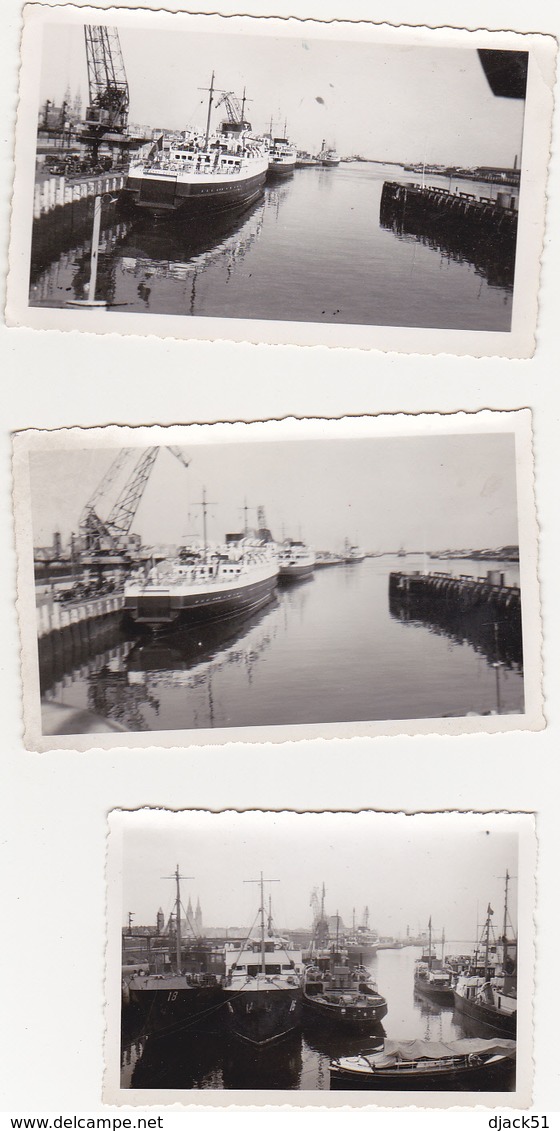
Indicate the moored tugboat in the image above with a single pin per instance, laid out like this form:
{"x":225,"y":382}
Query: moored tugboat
{"x":262,"y":984}
{"x":432,"y":979}
{"x":486,"y":992}
{"x":338,"y":993}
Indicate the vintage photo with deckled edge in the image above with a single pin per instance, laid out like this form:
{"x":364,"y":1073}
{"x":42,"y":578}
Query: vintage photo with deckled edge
{"x":401,"y":231}
{"x":278,"y":580}
{"x":287,"y":891}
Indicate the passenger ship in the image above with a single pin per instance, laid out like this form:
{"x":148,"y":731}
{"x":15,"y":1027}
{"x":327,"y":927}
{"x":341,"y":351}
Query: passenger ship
{"x":238,"y":578}
{"x":282,"y":158}
{"x":204,"y":173}
{"x":295,"y":561}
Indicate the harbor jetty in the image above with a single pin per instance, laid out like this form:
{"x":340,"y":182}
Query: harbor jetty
{"x":470,"y":229}
{"x":485,"y":611}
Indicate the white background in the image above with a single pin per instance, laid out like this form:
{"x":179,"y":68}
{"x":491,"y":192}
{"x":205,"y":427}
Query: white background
{"x":52,"y":831}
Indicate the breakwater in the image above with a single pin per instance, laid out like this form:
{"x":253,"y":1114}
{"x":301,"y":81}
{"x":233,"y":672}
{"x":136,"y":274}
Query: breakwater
{"x":483,"y":611}
{"x":475,"y":230}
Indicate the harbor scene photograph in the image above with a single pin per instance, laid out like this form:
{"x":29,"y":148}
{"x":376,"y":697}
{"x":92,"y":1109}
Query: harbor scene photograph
{"x":247,"y":952}
{"x":289,"y":174}
{"x":276,"y":576}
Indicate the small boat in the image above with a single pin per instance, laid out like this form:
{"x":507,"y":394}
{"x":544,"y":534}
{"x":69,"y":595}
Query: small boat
{"x":200,"y":173}
{"x":432,"y":978}
{"x":486,"y":992}
{"x":262,"y":985}
{"x":295,"y":561}
{"x":238,"y":577}
{"x":463,"y":1065}
{"x":340,"y":993}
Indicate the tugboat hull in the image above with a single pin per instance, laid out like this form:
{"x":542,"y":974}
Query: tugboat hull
{"x":486,"y":1015}
{"x":261,"y":1016}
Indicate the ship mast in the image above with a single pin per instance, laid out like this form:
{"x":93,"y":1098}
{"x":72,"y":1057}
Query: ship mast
{"x":504,"y":936}
{"x":210,"y":101}
{"x":489,"y":913}
{"x":262,"y":882}
{"x":443,"y":944}
{"x":177,"y":877}
{"x":430,"y":943}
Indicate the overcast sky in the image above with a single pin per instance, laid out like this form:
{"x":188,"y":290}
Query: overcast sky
{"x":424,"y":493}
{"x":386,"y":102}
{"x":405,"y":869}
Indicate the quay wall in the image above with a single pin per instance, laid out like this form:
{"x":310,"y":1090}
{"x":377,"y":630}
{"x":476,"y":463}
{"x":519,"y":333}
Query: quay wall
{"x":67,"y":633}
{"x":468,"y":228}
{"x":63,"y":214}
{"x":57,"y":192}
{"x":483,"y":611}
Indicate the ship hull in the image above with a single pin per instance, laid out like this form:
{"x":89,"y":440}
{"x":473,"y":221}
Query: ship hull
{"x":189,"y":1009}
{"x":438,"y":994}
{"x":262,"y":1016}
{"x":486,"y":1015}
{"x":279,"y":170}
{"x":165,"y":608}
{"x":355,"y":1018}
{"x":189,"y":198}
{"x":357,"y":952}
{"x":295,"y":572}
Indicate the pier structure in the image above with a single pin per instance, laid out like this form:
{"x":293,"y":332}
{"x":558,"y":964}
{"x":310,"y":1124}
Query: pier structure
{"x":477,"y":230}
{"x":484,"y":611}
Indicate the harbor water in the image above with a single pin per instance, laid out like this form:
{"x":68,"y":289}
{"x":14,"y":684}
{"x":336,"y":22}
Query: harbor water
{"x":300,"y":1061}
{"x":312,"y":249}
{"x":328,"y":649}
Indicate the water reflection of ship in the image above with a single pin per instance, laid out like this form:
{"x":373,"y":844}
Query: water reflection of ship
{"x":264,"y":1067}
{"x":183,"y":1060}
{"x":499,"y":640}
{"x":193,"y":658}
{"x":163,"y":250}
{"x":189,"y":1061}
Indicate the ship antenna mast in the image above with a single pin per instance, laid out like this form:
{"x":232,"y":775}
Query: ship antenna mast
{"x":177,"y":877}
{"x":261,"y":883}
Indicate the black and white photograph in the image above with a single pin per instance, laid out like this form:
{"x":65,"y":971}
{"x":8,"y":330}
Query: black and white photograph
{"x":198,"y":176}
{"x":278,"y":579}
{"x":250,"y":952}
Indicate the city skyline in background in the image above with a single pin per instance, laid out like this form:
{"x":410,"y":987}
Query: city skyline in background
{"x":412,"y":868}
{"x":408,"y":103}
{"x":421,"y":493}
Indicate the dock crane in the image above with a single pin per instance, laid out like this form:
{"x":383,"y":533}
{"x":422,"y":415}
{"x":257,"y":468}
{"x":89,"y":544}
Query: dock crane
{"x":235,"y":109}
{"x":107,"y":112}
{"x":109,"y":535}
